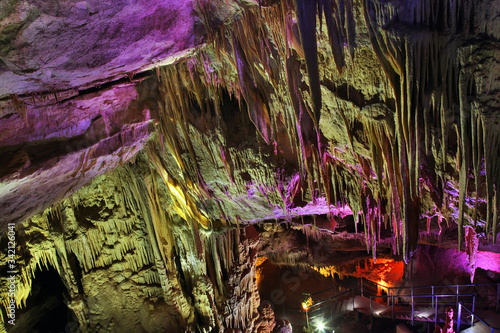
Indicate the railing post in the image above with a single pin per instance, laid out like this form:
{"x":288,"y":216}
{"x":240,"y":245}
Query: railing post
{"x":371,"y":307}
{"x":361,"y":287}
{"x":432,"y":296}
{"x":392,"y":307}
{"x":435,"y":311}
{"x":498,"y":298}
{"x":473,"y":309}
{"x":457,"y":297}
{"x":459,"y":316}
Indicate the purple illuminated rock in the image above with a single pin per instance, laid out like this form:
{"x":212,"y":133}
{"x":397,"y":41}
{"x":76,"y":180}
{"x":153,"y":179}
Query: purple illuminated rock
{"x":64,"y":145}
{"x":59,"y":45}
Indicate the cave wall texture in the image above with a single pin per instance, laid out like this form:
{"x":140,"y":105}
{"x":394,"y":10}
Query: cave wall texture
{"x":150,"y":153}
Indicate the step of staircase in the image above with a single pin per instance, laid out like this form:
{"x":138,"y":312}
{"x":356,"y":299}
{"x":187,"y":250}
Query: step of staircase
{"x":478,"y":328}
{"x":488,"y":316}
{"x":362,"y":304}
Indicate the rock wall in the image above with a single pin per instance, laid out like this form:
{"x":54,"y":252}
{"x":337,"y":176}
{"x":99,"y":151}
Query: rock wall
{"x":128,"y":265}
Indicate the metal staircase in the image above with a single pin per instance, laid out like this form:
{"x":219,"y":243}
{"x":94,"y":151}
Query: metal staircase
{"x":421,"y":304}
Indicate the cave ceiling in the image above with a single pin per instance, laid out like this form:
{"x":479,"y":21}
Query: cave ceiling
{"x":376,"y":123}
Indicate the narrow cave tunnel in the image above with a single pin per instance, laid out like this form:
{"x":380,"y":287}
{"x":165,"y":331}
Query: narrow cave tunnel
{"x":46,"y":307}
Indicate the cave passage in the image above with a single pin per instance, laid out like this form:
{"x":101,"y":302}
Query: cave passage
{"x":46,"y":309}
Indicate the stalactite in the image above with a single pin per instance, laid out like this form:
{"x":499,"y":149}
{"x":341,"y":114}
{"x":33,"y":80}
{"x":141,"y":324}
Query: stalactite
{"x":492,"y":175}
{"x":312,"y":232}
{"x":287,"y":259}
{"x":422,"y":80}
{"x":244,"y":55}
{"x":162,"y":247}
{"x":471,"y":248}
{"x":249,"y":66}
{"x":306,"y":17}
{"x":257,"y":108}
{"x":465,"y":152}
{"x":185,"y":204}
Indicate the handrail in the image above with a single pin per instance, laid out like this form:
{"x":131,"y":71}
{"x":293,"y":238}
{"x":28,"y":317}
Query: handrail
{"x":429,"y":295}
{"x":412,"y":303}
{"x":331,"y":298}
{"x":436,"y":286}
{"x":460,"y":306}
{"x":434,"y":296}
{"x":443,"y":286}
{"x":318,"y":307}
{"x":424,"y":296}
{"x":433,"y":287}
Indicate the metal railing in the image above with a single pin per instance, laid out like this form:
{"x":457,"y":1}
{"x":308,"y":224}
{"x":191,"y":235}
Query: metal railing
{"x":433,"y":306}
{"x":434,"y":290}
{"x":317,"y":307}
{"x":419,"y":296}
{"x":473,"y":316}
{"x":457,"y":289}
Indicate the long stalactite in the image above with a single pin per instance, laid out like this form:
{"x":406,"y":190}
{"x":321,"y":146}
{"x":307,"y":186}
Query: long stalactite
{"x":405,"y":134}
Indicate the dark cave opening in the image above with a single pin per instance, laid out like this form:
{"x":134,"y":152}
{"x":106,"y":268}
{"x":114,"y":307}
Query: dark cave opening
{"x":178,"y":266}
{"x":46,"y":308}
{"x":77,"y":271}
